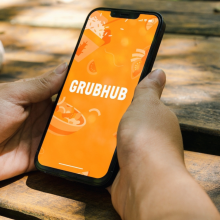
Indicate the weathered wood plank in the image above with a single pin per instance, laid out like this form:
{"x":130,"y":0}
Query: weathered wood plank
{"x":32,"y":51}
{"x":205,"y":169}
{"x":48,"y":197}
{"x":174,"y":7}
{"x":181,"y":17}
{"x":4,"y":218}
{"x":192,"y":90}
{"x":193,"y":79}
{"x":192,"y":65}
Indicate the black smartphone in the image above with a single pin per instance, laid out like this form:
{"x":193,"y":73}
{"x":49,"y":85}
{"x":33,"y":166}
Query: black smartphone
{"x":116,"y":50}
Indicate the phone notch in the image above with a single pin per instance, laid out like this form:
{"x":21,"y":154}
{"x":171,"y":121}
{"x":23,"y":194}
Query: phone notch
{"x":124,"y":14}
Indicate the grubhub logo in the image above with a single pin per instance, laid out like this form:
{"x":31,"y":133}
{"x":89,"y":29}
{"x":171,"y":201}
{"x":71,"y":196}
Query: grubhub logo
{"x":96,"y":89}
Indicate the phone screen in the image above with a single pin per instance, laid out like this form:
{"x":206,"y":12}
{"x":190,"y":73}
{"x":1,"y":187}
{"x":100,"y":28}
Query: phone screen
{"x":81,"y":137}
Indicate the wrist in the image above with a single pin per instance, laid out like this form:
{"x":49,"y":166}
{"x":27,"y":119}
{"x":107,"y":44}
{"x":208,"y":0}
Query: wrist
{"x":143,"y":190}
{"x":144,"y":172}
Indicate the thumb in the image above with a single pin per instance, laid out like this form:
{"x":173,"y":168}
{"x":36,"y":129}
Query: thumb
{"x":153,"y":83}
{"x":36,"y":89}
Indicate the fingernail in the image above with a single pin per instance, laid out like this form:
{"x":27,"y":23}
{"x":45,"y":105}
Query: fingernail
{"x":158,"y":75}
{"x":61,"y":68}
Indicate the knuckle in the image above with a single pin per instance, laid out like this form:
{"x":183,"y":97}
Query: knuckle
{"x":148,"y":87}
{"x":43,"y":82}
{"x":148,"y":97}
{"x":154,"y":84}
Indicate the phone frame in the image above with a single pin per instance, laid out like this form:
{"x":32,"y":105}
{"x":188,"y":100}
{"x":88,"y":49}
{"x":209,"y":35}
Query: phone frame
{"x":114,"y":167}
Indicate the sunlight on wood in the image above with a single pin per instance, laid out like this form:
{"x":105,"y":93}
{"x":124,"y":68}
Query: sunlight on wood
{"x":8,"y":3}
{"x":28,"y":57}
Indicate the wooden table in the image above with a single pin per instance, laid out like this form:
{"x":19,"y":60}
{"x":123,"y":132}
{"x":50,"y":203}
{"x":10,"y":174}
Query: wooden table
{"x":36,"y":41}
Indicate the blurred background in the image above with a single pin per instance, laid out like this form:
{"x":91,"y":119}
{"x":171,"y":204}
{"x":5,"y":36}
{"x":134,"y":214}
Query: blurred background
{"x":37,"y":35}
{"x":46,"y":31}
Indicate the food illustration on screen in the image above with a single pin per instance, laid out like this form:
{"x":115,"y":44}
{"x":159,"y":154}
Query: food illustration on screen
{"x":138,"y":61}
{"x":96,"y":34}
{"x":91,"y":67}
{"x":66,"y":119}
{"x":98,"y":89}
{"x":150,"y":23}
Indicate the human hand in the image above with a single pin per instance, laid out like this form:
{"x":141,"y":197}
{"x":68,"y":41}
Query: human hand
{"x":153,"y":182}
{"x":25,"y":106}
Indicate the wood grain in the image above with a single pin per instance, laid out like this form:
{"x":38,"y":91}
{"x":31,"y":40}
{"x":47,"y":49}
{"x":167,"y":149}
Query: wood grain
{"x":48,"y":197}
{"x":197,"y":18}
{"x":32,"y":51}
{"x":192,"y":65}
{"x":200,"y":18}
{"x":192,"y":89}
{"x":4,"y":218}
{"x":192,"y":92}
{"x":205,"y":169}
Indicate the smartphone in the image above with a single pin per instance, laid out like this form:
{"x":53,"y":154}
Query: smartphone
{"x":115,"y":51}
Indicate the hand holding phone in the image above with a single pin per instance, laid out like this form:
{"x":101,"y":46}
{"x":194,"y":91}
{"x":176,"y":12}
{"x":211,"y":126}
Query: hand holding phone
{"x":116,"y":50}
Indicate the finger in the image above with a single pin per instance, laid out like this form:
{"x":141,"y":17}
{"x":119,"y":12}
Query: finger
{"x":153,"y":83}
{"x":36,"y":89}
{"x":25,"y":80}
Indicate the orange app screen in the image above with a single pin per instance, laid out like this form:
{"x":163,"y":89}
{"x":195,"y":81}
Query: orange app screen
{"x":81,"y":137}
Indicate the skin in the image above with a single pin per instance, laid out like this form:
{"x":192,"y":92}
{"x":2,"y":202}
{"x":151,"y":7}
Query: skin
{"x":152,"y":183}
{"x":24,"y":111}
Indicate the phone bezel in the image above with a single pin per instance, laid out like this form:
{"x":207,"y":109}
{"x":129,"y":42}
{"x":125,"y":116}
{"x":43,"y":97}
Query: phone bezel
{"x":114,"y":167}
